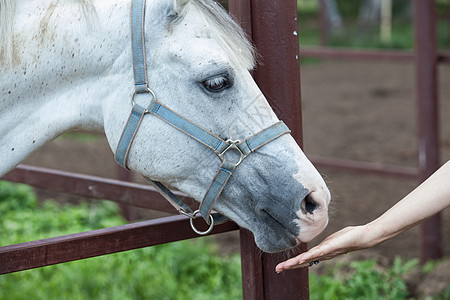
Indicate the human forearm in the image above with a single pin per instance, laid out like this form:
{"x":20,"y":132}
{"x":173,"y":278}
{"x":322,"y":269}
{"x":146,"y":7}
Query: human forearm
{"x":432,"y":196}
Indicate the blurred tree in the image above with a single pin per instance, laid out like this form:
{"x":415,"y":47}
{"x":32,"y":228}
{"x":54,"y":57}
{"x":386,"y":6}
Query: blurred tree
{"x":334,"y":17}
{"x":369,"y":12}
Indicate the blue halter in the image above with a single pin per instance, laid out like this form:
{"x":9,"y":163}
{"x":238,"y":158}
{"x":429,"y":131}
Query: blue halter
{"x":215,"y":143}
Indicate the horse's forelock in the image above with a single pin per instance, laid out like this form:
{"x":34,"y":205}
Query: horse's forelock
{"x":227,"y":32}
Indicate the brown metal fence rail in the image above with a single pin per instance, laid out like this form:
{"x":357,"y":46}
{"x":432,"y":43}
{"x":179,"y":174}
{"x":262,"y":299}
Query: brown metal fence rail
{"x":425,"y":58}
{"x":272,"y":25}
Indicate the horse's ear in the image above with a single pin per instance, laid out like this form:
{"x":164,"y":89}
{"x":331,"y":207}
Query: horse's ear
{"x":179,"y":4}
{"x":167,"y":10}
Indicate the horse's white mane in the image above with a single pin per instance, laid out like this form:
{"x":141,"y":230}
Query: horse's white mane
{"x":7,"y":13}
{"x":230,"y":36}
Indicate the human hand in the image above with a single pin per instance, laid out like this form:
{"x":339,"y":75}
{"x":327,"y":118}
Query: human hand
{"x":346,"y":240}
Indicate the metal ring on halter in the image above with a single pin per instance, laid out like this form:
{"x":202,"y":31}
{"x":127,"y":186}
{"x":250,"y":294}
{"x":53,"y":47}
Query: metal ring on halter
{"x":133,"y":103}
{"x":191,"y":220}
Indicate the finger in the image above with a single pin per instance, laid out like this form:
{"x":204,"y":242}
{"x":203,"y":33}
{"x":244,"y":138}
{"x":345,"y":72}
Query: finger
{"x":302,"y":264}
{"x":283,"y":267}
{"x":304,"y":259}
{"x":298,"y":266}
{"x":295,"y":261}
{"x":323,"y":251}
{"x":298,"y":261}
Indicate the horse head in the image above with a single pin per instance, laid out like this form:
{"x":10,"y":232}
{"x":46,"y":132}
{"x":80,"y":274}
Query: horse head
{"x":198,"y":65}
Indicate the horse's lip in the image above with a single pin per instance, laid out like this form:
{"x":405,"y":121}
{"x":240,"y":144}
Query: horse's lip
{"x":287,"y":234}
{"x":286,"y":229}
{"x":291,"y":239}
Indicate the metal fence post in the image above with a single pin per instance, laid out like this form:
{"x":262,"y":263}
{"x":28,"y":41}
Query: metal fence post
{"x":426,"y":59}
{"x":273,"y":27}
{"x":324,"y":23}
{"x":125,"y":175}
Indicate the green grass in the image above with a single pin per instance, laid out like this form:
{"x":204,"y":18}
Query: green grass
{"x":82,"y":137}
{"x":363,"y":281}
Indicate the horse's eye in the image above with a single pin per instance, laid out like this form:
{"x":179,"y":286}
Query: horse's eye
{"x":217,"y":84}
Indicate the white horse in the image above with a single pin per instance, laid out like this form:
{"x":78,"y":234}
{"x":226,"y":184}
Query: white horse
{"x":67,"y":64}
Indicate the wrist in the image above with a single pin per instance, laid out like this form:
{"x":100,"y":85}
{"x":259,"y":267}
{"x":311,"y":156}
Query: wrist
{"x":373,"y":234}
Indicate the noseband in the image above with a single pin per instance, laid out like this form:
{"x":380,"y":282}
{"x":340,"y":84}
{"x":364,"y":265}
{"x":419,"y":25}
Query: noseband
{"x":210,"y":140}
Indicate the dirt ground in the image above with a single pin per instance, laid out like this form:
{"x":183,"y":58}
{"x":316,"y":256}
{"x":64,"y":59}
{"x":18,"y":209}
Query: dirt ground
{"x":354,"y":110}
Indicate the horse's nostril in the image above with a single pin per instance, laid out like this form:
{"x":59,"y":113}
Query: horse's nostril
{"x":310,"y":204}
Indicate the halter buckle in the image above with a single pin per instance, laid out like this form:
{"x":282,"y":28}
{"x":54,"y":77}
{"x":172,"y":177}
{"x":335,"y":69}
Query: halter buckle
{"x":232,"y":145}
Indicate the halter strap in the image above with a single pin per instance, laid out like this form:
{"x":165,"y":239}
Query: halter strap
{"x":196,"y":132}
{"x":210,"y":140}
{"x":138,"y":46}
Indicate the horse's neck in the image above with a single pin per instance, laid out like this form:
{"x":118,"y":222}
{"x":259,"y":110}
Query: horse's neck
{"x":60,"y":75}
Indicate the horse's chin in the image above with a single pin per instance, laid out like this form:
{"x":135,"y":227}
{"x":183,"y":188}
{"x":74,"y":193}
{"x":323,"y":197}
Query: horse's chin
{"x":274,"y":238}
{"x":274,"y":245}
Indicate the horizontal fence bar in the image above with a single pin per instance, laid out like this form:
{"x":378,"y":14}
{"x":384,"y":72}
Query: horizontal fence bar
{"x":347,"y":53}
{"x":133,"y":194}
{"x":444,"y":57}
{"x":365,"y":167}
{"x":83,"y":245}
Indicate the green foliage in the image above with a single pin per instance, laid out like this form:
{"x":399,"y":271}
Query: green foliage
{"x":366,"y":280}
{"x":82,"y":137}
{"x":308,"y":9}
{"x":183,"y":270}
{"x":23,"y":219}
{"x":353,"y":35}
{"x":445,"y":295}
{"x":362,"y":280}
{"x":430,"y":266}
